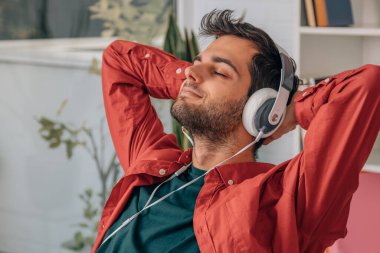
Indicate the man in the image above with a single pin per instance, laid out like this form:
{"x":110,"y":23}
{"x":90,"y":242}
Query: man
{"x":301,"y":205}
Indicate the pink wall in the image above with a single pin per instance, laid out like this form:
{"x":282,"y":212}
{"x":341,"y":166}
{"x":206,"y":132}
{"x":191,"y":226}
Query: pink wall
{"x":364,"y":220}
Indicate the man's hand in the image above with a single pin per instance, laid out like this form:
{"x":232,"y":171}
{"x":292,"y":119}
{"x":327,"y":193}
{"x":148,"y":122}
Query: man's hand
{"x":289,"y":123}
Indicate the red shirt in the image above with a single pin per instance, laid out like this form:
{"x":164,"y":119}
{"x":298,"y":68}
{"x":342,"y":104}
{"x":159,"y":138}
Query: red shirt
{"x":301,"y":205}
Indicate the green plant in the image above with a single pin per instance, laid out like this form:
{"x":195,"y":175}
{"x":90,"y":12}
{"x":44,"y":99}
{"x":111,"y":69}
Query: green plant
{"x":183,"y":48}
{"x":137,"y":20}
{"x":89,"y":226}
{"x":58,"y":133}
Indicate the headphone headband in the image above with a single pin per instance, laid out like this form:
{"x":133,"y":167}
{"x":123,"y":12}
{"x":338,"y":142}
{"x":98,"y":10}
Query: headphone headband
{"x":286,"y":86}
{"x":287,"y":69}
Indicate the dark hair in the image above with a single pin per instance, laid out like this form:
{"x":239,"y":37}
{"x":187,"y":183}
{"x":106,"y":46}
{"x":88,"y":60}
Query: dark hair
{"x":265,"y":67}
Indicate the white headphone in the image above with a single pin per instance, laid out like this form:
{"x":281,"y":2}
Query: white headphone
{"x":265,"y":109}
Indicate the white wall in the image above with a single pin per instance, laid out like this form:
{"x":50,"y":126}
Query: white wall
{"x":39,"y":187}
{"x":276,"y":17}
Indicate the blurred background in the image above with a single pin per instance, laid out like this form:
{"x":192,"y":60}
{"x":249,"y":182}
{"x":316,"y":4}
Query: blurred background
{"x":57,"y":163}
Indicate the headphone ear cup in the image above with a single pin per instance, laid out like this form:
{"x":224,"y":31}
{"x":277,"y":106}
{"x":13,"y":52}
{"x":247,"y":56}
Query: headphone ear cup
{"x":252,"y":110}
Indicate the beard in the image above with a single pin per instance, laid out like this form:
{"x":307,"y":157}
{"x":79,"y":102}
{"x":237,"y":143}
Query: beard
{"x":212,"y":120}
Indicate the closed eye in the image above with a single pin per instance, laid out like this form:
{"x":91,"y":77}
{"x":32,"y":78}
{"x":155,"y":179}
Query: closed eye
{"x":220,"y":74}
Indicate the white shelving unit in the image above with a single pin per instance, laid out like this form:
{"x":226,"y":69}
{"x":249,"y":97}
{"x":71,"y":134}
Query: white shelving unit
{"x":323,"y":51}
{"x":341,"y":31}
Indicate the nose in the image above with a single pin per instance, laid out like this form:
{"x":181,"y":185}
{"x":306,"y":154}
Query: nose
{"x":194,"y":74}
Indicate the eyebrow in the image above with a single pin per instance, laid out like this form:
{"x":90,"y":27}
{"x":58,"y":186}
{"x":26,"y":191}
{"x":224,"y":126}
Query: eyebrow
{"x":219,"y":60}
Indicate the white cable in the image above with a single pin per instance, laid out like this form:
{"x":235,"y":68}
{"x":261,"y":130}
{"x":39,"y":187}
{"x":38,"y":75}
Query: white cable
{"x":181,"y":170}
{"x":176,"y":174}
{"x":186,"y":133}
{"x":127,"y":221}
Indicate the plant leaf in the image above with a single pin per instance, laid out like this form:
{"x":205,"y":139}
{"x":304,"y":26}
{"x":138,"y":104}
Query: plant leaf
{"x":83,"y":225}
{"x":76,"y":243}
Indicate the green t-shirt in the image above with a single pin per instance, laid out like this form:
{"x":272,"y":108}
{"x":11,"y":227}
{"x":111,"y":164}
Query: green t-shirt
{"x":163,"y":228}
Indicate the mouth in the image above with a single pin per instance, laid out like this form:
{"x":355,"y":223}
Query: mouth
{"x":189,"y":92}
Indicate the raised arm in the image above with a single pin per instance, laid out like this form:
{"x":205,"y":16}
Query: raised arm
{"x":342,"y":116}
{"x":130,"y":73}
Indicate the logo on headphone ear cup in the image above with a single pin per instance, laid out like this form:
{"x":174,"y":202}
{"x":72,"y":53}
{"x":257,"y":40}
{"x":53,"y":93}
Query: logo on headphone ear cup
{"x":256,"y":111}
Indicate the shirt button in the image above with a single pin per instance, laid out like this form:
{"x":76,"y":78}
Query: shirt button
{"x":179,"y":71}
{"x":230,"y":182}
{"x":147,"y":55}
{"x":327,"y":80}
{"x":162,"y":172}
{"x":305,"y":93}
{"x":103,"y":225}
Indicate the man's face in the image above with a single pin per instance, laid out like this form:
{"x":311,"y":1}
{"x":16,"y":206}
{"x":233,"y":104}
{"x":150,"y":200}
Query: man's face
{"x":212,"y":98}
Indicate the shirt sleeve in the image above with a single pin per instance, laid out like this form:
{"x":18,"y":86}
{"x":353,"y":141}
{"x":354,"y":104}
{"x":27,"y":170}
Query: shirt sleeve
{"x":130,"y":73}
{"x":342,"y":118}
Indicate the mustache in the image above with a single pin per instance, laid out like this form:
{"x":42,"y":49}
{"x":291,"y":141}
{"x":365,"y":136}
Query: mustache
{"x":190,"y":84}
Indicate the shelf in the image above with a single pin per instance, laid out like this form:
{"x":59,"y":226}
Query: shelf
{"x":346,"y":31}
{"x":373,"y":162}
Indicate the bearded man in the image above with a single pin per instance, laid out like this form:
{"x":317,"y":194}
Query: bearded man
{"x":216,"y":197}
